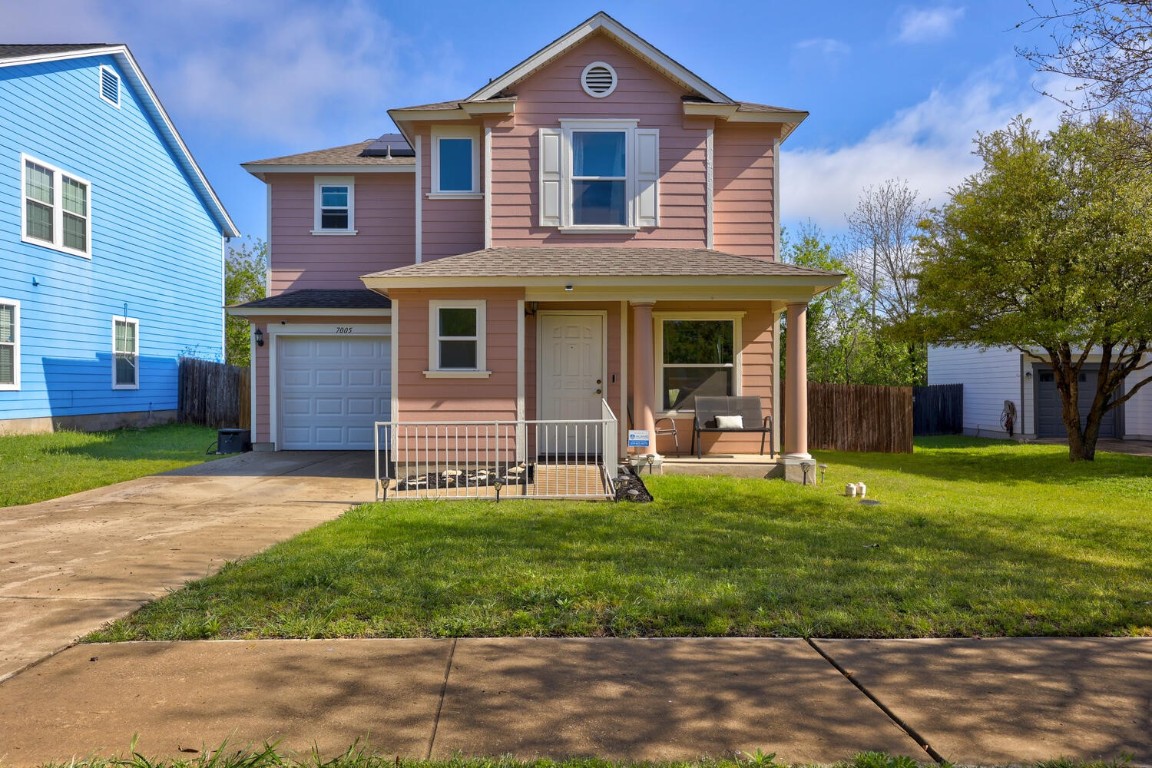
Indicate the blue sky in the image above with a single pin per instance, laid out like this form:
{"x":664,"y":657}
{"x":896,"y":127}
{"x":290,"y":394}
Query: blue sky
{"x":895,"y":89}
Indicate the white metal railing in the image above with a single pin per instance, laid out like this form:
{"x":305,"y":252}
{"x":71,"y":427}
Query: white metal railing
{"x":498,"y":459}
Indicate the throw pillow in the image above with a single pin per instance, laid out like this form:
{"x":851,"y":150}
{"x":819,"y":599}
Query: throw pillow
{"x":730,"y":422}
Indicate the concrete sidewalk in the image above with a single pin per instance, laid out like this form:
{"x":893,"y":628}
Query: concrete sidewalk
{"x":69,"y":565}
{"x":970,"y":701}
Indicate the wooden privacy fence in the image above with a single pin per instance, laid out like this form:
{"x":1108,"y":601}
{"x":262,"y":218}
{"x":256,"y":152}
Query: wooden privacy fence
{"x":859,"y":417}
{"x":214,"y":394}
{"x":938,"y":409}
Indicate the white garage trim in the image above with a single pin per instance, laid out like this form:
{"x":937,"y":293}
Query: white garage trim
{"x":276,"y":332}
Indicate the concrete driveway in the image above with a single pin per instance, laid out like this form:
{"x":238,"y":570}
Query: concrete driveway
{"x":70,"y":565}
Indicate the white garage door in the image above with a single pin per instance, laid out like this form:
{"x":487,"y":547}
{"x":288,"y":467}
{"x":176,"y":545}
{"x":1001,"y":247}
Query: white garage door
{"x":332,"y":390}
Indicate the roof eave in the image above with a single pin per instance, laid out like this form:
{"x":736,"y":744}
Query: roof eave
{"x":382,"y":283}
{"x":259,"y":171}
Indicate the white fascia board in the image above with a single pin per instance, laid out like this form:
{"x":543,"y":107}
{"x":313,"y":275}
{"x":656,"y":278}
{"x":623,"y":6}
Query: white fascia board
{"x":157,"y":112}
{"x":654,"y":56}
{"x":331,"y":312}
{"x":431,"y":115}
{"x":798,"y":285}
{"x":699,"y":109}
{"x":489,"y":107}
{"x":259,"y":171}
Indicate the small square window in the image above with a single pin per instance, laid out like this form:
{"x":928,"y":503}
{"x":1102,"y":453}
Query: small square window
{"x":455,"y":163}
{"x":456,"y":340}
{"x":335,"y":206}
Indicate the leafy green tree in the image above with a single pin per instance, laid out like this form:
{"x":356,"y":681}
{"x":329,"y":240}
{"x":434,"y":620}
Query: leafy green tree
{"x":245,"y":273}
{"x":1048,"y":249}
{"x":844,"y":345}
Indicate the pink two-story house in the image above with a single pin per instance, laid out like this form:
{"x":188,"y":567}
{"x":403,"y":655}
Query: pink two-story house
{"x":596,"y":226}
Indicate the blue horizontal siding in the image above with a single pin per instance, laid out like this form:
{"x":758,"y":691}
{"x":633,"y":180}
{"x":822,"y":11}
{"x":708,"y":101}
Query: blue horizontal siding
{"x":156,"y":251}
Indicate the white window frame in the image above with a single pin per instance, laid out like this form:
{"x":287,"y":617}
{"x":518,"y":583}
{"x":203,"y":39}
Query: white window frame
{"x":642,"y":169}
{"x":318,"y":204}
{"x":473,"y":135}
{"x":106,"y":71}
{"x":58,"y":176}
{"x":659,"y":318}
{"x":116,"y":319}
{"x":15,"y":344}
{"x":435,"y":370}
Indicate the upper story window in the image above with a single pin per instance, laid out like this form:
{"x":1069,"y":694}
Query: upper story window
{"x":9,"y":344}
{"x":335,"y":206}
{"x":110,"y":86}
{"x":125,"y":353}
{"x":455,"y":162}
{"x":456,"y":339}
{"x":56,"y":209}
{"x":599,"y":175}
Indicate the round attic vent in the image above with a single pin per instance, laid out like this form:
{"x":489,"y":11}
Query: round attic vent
{"x":598,"y":79}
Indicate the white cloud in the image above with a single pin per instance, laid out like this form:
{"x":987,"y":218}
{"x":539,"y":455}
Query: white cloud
{"x":929,"y":144}
{"x":826,"y":46}
{"x":922,"y":25}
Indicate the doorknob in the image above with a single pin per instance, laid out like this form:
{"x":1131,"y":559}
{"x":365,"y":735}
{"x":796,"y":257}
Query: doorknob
{"x":599,"y":391}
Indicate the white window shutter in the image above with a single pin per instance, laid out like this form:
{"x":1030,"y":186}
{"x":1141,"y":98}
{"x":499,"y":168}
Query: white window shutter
{"x":647,"y":177}
{"x":551,"y":177}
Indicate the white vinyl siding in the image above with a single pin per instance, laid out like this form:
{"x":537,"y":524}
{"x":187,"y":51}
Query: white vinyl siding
{"x":9,"y":344}
{"x":989,"y":377}
{"x":567,"y":175}
{"x":56,"y":211}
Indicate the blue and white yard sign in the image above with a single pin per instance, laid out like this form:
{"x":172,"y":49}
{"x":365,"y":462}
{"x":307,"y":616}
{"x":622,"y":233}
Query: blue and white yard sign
{"x":638,"y":438}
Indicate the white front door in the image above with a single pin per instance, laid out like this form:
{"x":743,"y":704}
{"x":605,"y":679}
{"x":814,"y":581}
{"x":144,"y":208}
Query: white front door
{"x":571,"y":363}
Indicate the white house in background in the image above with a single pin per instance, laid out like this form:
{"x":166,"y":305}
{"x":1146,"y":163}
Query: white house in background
{"x":993,"y":376}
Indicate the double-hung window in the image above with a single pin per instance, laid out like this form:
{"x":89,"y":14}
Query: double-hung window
{"x":599,"y":175}
{"x":698,"y":355}
{"x":455,"y":162}
{"x":56,"y":209}
{"x":9,"y":344}
{"x":125,"y":353}
{"x":456,"y":337}
{"x":335,"y":208}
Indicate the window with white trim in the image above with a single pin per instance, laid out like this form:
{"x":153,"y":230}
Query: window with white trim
{"x":697,"y":355}
{"x":335,"y":206}
{"x":125,"y":353}
{"x":456,"y":336}
{"x":455,"y":161}
{"x":9,"y":344}
{"x":599,"y":175}
{"x":56,"y":210}
{"x":110,"y":86}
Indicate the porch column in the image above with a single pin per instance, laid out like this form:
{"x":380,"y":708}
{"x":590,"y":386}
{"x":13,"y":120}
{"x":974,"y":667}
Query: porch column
{"x":643,"y":366}
{"x":796,"y":392}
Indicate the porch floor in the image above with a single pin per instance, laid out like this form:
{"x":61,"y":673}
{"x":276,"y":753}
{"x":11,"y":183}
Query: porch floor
{"x":547,"y":481}
{"x":730,"y":464}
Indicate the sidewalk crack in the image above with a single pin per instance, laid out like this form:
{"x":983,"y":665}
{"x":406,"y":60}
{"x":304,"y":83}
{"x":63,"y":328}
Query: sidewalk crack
{"x":440,"y":704}
{"x":908,"y":729}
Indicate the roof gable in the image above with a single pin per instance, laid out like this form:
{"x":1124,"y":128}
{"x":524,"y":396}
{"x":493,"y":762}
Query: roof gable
{"x":602,"y":23}
{"x":23,"y":55}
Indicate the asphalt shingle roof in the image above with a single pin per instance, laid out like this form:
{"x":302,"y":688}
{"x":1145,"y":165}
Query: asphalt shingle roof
{"x":624,"y":262}
{"x":316,"y":298}
{"x":349,"y":154}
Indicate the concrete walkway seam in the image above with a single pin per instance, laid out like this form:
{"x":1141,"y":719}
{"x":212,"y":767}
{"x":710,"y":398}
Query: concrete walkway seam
{"x":443,"y":695}
{"x":908,"y":729}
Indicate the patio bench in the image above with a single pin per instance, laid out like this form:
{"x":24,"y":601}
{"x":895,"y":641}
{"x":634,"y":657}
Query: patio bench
{"x":730,"y":414}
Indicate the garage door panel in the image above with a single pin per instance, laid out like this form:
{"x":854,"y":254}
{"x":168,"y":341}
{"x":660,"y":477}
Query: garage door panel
{"x":332,"y":390}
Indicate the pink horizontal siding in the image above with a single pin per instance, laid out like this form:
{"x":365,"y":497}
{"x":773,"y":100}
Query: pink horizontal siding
{"x":743,"y":180}
{"x":424,"y":399}
{"x":450,"y":226}
{"x":384,"y":220}
{"x":554,"y":93}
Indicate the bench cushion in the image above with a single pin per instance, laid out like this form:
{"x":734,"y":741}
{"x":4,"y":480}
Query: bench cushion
{"x":730,"y":422}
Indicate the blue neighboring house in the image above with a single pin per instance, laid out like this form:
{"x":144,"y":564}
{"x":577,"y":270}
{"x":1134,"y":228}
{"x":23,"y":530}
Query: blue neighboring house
{"x":111,"y":244}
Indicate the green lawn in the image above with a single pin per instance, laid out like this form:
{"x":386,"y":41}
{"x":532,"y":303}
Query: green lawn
{"x":972,"y":537}
{"x":47,"y":466}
